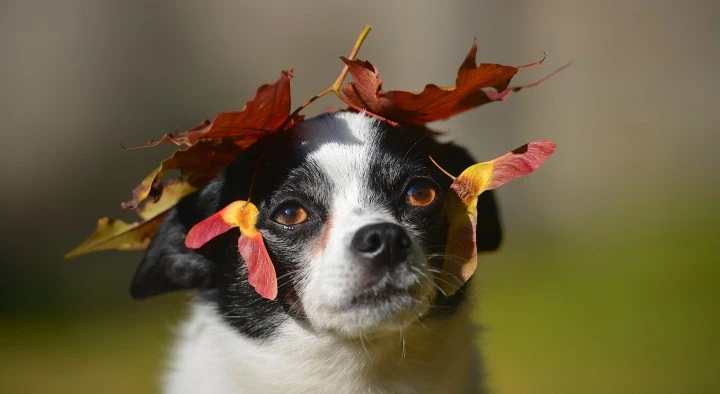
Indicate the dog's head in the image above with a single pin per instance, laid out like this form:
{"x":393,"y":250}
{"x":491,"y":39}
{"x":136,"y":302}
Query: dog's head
{"x":353,"y":216}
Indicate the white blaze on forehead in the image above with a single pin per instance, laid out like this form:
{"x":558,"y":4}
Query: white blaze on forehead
{"x":345,"y":158}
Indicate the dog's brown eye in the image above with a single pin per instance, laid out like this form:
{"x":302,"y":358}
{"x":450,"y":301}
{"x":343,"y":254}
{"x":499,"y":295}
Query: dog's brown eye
{"x":420,"y":194}
{"x":290,"y":214}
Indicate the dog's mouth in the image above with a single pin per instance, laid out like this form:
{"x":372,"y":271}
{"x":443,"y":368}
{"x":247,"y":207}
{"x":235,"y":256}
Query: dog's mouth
{"x":399,"y":289}
{"x":378,"y":294}
{"x":387,"y":305}
{"x":381,"y":302}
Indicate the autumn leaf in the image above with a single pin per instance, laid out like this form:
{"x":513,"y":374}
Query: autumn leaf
{"x":243,"y":215}
{"x":185,"y":138}
{"x":197,"y":164}
{"x":474,"y":86}
{"x":208,"y":148}
{"x":265,"y":114}
{"x":174,"y":191}
{"x":116,"y":234}
{"x":461,"y":249}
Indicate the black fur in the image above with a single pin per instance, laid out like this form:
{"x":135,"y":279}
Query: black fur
{"x":283,"y":176}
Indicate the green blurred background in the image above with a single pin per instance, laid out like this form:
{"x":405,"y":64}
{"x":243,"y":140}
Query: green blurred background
{"x":608,"y":279}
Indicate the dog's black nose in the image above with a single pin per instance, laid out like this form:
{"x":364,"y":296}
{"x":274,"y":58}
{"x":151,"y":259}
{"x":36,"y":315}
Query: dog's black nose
{"x":383,"y":244}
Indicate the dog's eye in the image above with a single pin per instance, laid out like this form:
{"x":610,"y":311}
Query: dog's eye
{"x":420,"y":194}
{"x":290,"y":214}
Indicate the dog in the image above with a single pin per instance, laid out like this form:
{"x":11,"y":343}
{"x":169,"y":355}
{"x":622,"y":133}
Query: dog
{"x":352,"y":212}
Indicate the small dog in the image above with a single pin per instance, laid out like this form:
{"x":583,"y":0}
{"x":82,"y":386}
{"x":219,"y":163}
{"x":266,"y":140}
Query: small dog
{"x":353,"y":216}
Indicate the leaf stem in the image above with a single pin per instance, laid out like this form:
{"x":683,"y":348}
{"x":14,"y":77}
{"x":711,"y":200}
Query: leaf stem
{"x":335,"y":87}
{"x":305,"y":104}
{"x":353,"y":54}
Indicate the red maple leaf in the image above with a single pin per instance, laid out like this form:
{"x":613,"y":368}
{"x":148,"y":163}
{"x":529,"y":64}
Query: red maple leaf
{"x":265,"y":114}
{"x":474,"y":86}
{"x":208,"y":153}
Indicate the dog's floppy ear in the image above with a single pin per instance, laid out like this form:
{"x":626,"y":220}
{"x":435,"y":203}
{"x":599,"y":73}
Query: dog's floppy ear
{"x":456,"y":159}
{"x":168,"y":265}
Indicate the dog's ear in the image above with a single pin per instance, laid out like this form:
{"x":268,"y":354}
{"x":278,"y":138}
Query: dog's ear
{"x":456,"y":159}
{"x":168,"y":265}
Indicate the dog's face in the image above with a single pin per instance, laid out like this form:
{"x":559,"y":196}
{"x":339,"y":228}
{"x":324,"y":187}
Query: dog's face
{"x":352,"y":211}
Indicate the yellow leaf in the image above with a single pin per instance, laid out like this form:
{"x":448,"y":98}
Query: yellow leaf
{"x":116,"y":234}
{"x":172,"y":193}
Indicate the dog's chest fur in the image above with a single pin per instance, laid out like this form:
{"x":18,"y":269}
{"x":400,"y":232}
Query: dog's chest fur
{"x":433,"y":357}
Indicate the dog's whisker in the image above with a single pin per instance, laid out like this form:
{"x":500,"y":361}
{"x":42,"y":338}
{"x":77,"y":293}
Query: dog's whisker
{"x":454,"y":286}
{"x":362,"y":343}
{"x":404,"y":348}
{"x":287,"y":274}
{"x":427,"y":134}
{"x":437,"y":286}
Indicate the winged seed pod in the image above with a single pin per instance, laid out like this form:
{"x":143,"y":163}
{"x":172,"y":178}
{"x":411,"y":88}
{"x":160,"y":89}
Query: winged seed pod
{"x":461,"y":248}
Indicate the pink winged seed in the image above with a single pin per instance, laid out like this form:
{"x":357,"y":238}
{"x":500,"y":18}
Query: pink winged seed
{"x":520,"y":162}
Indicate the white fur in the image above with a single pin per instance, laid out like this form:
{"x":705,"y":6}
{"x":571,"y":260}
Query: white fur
{"x":437,"y":356}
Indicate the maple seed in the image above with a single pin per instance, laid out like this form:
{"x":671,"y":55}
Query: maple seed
{"x":243,"y":215}
{"x":462,"y":205}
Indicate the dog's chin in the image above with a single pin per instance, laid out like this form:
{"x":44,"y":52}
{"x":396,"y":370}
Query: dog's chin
{"x":383,"y":308}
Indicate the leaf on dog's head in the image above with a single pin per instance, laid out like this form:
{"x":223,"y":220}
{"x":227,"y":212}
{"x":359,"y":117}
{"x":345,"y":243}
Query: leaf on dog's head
{"x":173,"y":192}
{"x":495,"y":173}
{"x":265,"y":114}
{"x":475,"y":85}
{"x":461,"y":246}
{"x":243,"y":215}
{"x":197,"y":164}
{"x":261,"y":116}
{"x":116,"y":234}
{"x":183,"y":139}
{"x":213,"y":145}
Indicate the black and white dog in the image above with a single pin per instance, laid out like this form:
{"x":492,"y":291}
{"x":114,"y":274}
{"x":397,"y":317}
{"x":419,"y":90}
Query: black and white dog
{"x":353,"y":216}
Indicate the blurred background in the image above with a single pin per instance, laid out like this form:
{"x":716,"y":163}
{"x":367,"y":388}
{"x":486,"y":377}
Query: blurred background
{"x":608,"y":278}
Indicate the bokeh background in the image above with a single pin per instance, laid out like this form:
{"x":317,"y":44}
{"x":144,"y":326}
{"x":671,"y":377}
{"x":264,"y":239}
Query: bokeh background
{"x":607,"y":281}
